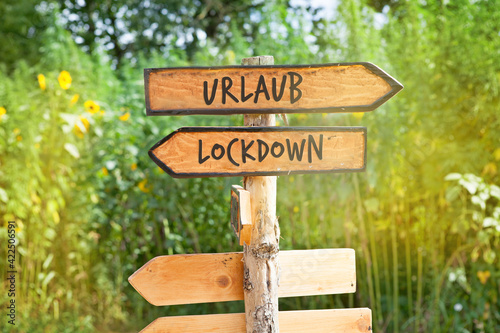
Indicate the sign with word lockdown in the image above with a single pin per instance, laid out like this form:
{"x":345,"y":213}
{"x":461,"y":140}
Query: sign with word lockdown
{"x":260,"y":151}
{"x":341,"y":87}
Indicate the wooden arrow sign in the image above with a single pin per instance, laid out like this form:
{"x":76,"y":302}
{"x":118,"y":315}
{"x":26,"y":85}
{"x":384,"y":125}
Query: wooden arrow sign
{"x":201,"y":278}
{"x":260,"y":151}
{"x":341,"y":87}
{"x":317,"y":321}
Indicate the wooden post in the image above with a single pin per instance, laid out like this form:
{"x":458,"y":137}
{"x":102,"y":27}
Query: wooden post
{"x":260,"y":258}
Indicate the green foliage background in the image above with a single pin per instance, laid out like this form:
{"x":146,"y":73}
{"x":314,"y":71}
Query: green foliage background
{"x":424,"y":218}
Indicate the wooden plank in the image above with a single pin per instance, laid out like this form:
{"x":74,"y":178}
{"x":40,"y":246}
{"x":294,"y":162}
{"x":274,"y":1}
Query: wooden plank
{"x":317,"y":272}
{"x":200,"y":278}
{"x":241,"y":214}
{"x":338,"y":87}
{"x":260,"y":151}
{"x":317,"y":321}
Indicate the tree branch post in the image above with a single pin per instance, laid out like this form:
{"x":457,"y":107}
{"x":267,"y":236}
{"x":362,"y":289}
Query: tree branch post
{"x":261,"y":266}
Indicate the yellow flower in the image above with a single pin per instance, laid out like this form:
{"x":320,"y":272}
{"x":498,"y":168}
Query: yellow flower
{"x":19,"y":138}
{"x":74,"y":99}
{"x":490,"y":168}
{"x":102,"y":113}
{"x":295,"y":209}
{"x":142,"y":186}
{"x":483,"y":276}
{"x":358,"y":115}
{"x":78,"y":131}
{"x":64,"y":80}
{"x":85,"y":122}
{"x":81,"y":127}
{"x":3,"y":111}
{"x":105,"y":171}
{"x":16,"y":131}
{"x":91,"y":107}
{"x":133,"y":167}
{"x":56,"y":217}
{"x":125,"y":116}
{"x":41,"y":81}
{"x":37,"y":146}
{"x":496,"y":153}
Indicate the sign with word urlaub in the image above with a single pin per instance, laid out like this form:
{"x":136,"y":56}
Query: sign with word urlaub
{"x":342,"y":87}
{"x":260,"y":151}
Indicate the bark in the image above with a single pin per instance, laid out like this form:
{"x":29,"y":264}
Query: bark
{"x":261,"y":266}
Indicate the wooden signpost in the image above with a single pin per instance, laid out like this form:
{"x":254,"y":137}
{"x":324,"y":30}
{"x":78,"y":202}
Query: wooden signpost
{"x":259,"y":152}
{"x":347,"y":87}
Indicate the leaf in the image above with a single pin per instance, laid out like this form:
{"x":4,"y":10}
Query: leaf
{"x":496,"y":213}
{"x":452,"y":193}
{"x":47,"y":261}
{"x":50,"y":234}
{"x":476,"y":200}
{"x":72,"y":150}
{"x":48,"y":278}
{"x":372,"y":205}
{"x":491,"y":222}
{"x":68,"y":118}
{"x":495,"y":191}
{"x":3,"y":196}
{"x":484,"y":195}
{"x":110,"y":165}
{"x":453,"y":176}
{"x":489,"y":256}
{"x":471,"y":186}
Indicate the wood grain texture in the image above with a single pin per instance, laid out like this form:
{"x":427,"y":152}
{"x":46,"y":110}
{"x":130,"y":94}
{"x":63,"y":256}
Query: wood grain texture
{"x":237,"y":151}
{"x":260,"y":256}
{"x":339,"y":87}
{"x":356,"y":320}
{"x":200,"y":278}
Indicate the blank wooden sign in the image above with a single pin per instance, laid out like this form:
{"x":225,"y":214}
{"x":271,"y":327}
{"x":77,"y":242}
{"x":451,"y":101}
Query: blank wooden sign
{"x":201,"y":278}
{"x":340,"y":87}
{"x":260,"y":151}
{"x":241,"y":214}
{"x":313,"y":321}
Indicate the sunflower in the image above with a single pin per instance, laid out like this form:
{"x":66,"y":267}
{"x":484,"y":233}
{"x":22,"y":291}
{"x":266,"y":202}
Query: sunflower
{"x":3,"y":111}
{"x":142,"y":186}
{"x":78,"y":131}
{"x":85,"y":122}
{"x":91,"y":107}
{"x":41,"y":81}
{"x":74,"y":99}
{"x":64,"y":80}
{"x":125,"y":116}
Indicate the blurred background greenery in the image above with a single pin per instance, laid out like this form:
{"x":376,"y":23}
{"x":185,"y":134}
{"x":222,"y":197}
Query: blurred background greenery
{"x":91,"y":207}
